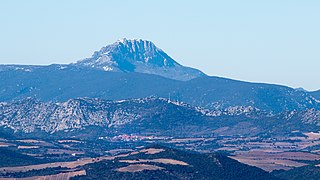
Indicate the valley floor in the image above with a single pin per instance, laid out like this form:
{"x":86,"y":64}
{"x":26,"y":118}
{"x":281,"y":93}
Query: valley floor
{"x":67,"y":157}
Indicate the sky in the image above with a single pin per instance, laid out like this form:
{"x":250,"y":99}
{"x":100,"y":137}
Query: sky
{"x":270,"y":41}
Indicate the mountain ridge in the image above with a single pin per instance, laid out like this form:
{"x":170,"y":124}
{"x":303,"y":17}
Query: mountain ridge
{"x":63,"y":82}
{"x":153,"y":115}
{"x":152,"y":73}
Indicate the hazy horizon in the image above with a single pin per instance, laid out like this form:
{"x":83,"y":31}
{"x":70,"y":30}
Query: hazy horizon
{"x":269,"y":42}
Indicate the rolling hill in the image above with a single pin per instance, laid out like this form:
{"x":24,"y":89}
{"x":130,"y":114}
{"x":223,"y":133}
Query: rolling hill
{"x":158,"y":162}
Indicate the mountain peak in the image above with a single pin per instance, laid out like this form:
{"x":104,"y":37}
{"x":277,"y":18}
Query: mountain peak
{"x":137,"y":55}
{"x":142,"y":51}
{"x":125,"y":40}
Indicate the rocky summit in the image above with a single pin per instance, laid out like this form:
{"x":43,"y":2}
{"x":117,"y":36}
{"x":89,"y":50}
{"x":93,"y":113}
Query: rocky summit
{"x":138,"y":56}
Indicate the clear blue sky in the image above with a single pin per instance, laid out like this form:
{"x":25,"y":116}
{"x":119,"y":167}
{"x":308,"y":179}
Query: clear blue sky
{"x":274,"y":41}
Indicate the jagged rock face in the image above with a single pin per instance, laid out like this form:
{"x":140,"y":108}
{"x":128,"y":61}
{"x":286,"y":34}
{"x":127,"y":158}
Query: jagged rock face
{"x":147,"y":115}
{"x":138,"y":56}
{"x":29,"y":115}
{"x":135,"y":51}
{"x":311,"y":116}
